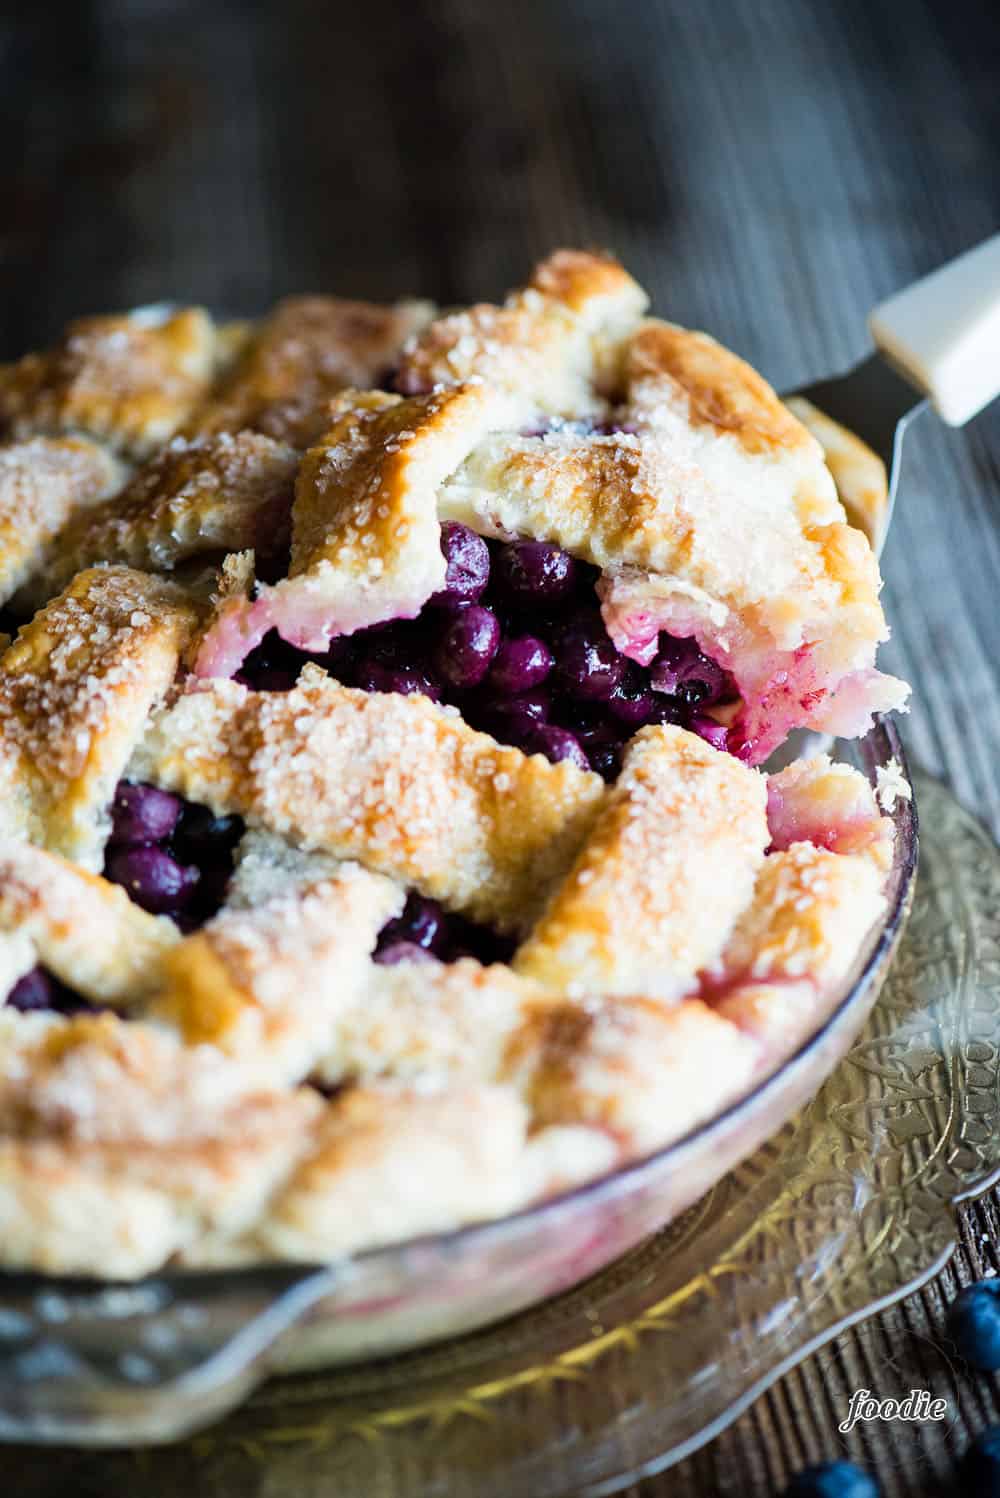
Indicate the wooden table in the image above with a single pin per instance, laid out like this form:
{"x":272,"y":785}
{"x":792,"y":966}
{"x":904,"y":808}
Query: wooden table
{"x":768,"y":168}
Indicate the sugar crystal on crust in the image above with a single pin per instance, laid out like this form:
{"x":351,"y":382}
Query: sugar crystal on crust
{"x":75,"y":688}
{"x":365,"y":533}
{"x":264,"y":983}
{"x":44,"y":481}
{"x":131,"y":380}
{"x":298,"y":358}
{"x":666,"y":871}
{"x":400,"y":784}
{"x":82,"y":928}
{"x":194,"y":498}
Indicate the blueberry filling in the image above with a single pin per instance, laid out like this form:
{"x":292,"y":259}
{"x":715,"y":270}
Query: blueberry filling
{"x":425,"y":930}
{"x":175,"y":858}
{"x":515,"y":641}
{"x":39,"y":990}
{"x":172,"y":857}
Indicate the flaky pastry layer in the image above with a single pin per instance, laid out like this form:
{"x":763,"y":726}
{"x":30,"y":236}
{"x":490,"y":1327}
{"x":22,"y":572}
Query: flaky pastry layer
{"x":131,"y":380}
{"x":194,"y":498}
{"x":397,"y":782}
{"x":75,"y":690}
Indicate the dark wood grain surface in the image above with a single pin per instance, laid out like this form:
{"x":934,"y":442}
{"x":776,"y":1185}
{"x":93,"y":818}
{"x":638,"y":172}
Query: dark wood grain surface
{"x":769,"y":168}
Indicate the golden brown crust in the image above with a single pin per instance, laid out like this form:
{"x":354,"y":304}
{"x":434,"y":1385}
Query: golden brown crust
{"x":130,"y":380}
{"x":75,"y":689}
{"x":636,"y":1070}
{"x":811,"y":909}
{"x":365,"y":534}
{"x":403,"y":786}
{"x":308,"y":349}
{"x":359,"y":1188}
{"x":643,"y":1072}
{"x":429,"y":1021}
{"x":553,"y":347}
{"x":832,"y":805}
{"x":788,"y":599}
{"x":265,"y":983}
{"x":719,"y":389}
{"x":43,"y":482}
{"x":118,"y":1146}
{"x":212,"y":495}
{"x":661,"y":879}
{"x":81,"y":928}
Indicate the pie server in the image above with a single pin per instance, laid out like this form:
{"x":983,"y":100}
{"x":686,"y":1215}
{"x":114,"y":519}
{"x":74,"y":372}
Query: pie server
{"x":936,"y":343}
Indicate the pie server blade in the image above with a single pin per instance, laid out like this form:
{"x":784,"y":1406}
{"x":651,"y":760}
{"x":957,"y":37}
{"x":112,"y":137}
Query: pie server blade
{"x":937,"y":343}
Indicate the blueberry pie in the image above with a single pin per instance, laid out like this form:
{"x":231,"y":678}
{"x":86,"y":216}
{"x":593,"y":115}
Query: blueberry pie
{"x":383,"y":843}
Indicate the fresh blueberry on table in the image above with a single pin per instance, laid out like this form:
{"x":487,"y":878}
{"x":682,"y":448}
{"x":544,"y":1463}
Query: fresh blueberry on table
{"x":832,"y":1480}
{"x":981,"y":1465}
{"x":974,"y":1324}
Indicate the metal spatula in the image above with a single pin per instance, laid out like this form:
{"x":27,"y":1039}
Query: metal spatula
{"x":937,"y":343}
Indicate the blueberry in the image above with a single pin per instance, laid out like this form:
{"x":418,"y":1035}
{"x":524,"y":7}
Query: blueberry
{"x":513,"y":720}
{"x":383,"y":642}
{"x":40,"y":990}
{"x":153,"y":879}
{"x":273,"y":679}
{"x":536,"y":572}
{"x":142,"y":814}
{"x":832,"y":1480}
{"x":213,"y":885}
{"x":974,"y":1324}
{"x":557,"y":744}
{"x":203,"y":838}
{"x":421,"y":923}
{"x":981,"y":1465}
{"x":469,"y":642}
{"x":605,"y":760}
{"x":681,"y":669}
{"x":601,"y":742}
{"x":668,"y":710}
{"x":34,"y":991}
{"x":468,"y":565}
{"x":632,"y":702}
{"x":374,"y":676}
{"x":341,"y":658}
{"x":520,"y":664}
{"x":273,"y":666}
{"x":612,"y":428}
{"x":402,"y":951}
{"x":588,"y":664}
{"x":706,"y":728}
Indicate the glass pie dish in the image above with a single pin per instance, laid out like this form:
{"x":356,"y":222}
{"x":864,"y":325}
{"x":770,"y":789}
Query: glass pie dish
{"x":100,"y":1364}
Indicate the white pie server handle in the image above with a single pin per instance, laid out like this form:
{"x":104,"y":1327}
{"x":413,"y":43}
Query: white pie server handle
{"x":943,"y":333}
